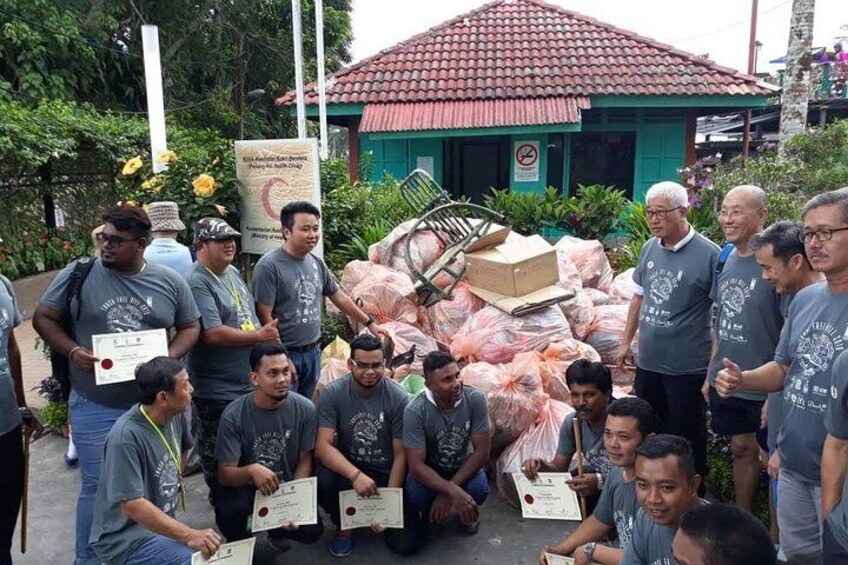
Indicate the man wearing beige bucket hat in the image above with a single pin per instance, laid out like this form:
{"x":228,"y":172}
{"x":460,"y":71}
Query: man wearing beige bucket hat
{"x":164,"y":249}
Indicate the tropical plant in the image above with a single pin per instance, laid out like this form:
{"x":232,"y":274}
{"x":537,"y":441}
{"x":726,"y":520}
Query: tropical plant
{"x":595,"y":211}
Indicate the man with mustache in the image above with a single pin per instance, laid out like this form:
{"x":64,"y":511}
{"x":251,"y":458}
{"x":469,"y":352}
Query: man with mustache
{"x":265,"y":439}
{"x":813,"y":336}
{"x":447,"y":440}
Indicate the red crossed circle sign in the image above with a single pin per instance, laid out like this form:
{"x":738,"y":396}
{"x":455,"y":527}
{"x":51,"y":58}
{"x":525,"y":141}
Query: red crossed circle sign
{"x":526,"y":154}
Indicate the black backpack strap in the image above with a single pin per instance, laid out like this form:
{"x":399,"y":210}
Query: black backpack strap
{"x":82,"y":267}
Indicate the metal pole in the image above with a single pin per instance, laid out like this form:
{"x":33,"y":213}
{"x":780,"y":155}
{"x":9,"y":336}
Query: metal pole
{"x":752,"y":53}
{"x":155,"y":98}
{"x":322,"y":94}
{"x":297,"y":32}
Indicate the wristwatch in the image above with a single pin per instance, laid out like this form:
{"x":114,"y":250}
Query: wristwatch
{"x":369,"y":321}
{"x":589,"y":549}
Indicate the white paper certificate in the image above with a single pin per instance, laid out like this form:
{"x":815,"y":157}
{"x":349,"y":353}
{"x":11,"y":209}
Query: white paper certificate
{"x":385,"y":508}
{"x":295,"y":502}
{"x":120,"y":353}
{"x":554,"y":559}
{"x":548,"y":497}
{"x":236,"y":553}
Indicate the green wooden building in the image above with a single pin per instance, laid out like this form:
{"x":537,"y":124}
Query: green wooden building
{"x":523,"y":94}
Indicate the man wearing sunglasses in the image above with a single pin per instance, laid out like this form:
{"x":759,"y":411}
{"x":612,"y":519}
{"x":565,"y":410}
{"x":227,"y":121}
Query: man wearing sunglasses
{"x":121,"y":293}
{"x":813,"y":336}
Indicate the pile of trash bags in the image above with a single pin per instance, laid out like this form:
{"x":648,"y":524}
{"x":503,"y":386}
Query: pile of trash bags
{"x":519,"y":363}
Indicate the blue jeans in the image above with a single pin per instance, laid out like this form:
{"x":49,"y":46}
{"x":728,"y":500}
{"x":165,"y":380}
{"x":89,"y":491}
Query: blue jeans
{"x":160,"y":550}
{"x":422,"y":497}
{"x":91,"y":423}
{"x":308,"y":364}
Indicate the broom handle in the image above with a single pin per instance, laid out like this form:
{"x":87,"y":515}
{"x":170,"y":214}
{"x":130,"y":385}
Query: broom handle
{"x":578,"y":440}
{"x":25,"y":493}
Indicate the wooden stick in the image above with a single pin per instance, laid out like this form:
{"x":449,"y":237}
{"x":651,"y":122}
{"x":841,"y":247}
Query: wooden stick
{"x":578,"y":441}
{"x":25,"y":492}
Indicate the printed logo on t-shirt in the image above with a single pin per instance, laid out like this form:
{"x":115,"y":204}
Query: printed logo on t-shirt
{"x":818,"y":347}
{"x":451,"y":444}
{"x":5,"y":323}
{"x":169,"y":482}
{"x":308,"y":299}
{"x":661,"y":285}
{"x":125,"y":313}
{"x":624,"y":526}
{"x":270,"y":447}
{"x":365,"y":446}
{"x":733,"y":294}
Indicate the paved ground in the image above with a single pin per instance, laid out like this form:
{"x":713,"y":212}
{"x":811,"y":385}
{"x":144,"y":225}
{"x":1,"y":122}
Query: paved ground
{"x":35,"y":365}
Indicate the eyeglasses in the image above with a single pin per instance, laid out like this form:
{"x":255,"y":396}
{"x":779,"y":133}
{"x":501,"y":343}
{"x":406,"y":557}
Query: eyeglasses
{"x":820,"y":235}
{"x":735,"y":214}
{"x":366,"y":366}
{"x":112,"y":240}
{"x":661,"y":214}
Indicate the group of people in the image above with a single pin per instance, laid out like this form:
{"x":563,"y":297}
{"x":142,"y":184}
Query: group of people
{"x":755,"y":331}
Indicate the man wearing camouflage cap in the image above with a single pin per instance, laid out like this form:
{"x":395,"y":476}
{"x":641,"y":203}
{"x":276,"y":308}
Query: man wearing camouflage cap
{"x":219,"y":364}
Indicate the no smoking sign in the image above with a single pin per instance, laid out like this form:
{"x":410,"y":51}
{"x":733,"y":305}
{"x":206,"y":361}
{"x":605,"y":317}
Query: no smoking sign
{"x":526,"y":161}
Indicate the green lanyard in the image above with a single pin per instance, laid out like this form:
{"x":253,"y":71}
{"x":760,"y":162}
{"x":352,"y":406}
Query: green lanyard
{"x":174,"y":453}
{"x":233,"y":290}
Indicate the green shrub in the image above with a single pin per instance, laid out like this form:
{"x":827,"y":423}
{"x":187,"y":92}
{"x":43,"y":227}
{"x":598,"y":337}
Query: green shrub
{"x":524,"y":211}
{"x":54,"y":414}
{"x":634,"y":224}
{"x":595,"y":211}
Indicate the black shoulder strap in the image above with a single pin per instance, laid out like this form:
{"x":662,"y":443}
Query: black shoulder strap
{"x":82,"y":268}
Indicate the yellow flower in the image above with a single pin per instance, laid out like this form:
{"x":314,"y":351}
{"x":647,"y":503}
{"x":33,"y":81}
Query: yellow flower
{"x":166,"y":157}
{"x":216,"y":162}
{"x":204,"y":186}
{"x":131,"y":166}
{"x":222,"y":210}
{"x":128,"y":203}
{"x":154,"y":183}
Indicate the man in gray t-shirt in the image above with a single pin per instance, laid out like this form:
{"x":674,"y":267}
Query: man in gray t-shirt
{"x":289,"y":284}
{"x":439,"y":427}
{"x":835,"y":536}
{"x":140,"y":483}
{"x":265,"y":439}
{"x":360,"y":443}
{"x":671,"y":310}
{"x":122,"y":293}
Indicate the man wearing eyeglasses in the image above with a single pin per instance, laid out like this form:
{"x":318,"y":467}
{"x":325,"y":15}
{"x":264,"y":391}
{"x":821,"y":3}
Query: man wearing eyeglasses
{"x":121,"y":293}
{"x":671,"y":309}
{"x":813,"y":336}
{"x":360,"y":444}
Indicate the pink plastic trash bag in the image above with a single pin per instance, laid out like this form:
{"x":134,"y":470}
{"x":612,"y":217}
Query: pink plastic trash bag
{"x":387,"y":295}
{"x":537,"y":442}
{"x":623,"y":288}
{"x":555,"y":360}
{"x":357,"y":271}
{"x":589,"y":258}
{"x":569,"y":276}
{"x":580,"y":313}
{"x":608,"y":330}
{"x":443,"y":319}
{"x":405,"y":336}
{"x":482,"y":376}
{"x":494,"y":336}
{"x":334,"y":369}
{"x":515,"y":403}
{"x":597,"y":297}
{"x":424,"y":250}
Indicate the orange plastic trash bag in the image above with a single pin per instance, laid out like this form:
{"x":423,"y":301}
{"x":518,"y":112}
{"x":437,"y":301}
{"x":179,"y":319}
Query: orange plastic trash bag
{"x":334,"y":369}
{"x":443,"y":319}
{"x":405,"y":336}
{"x":515,"y":403}
{"x":607,"y":331}
{"x":387,"y":295}
{"x":623,"y":288}
{"x":597,"y":297}
{"x":483,"y":376}
{"x":580,"y":313}
{"x":424,"y":250}
{"x":590,"y":259}
{"x":555,"y":360}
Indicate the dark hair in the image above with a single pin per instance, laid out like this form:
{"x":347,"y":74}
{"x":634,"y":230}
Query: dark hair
{"x":728,"y":535}
{"x":585,"y":372}
{"x":829,"y":198}
{"x":662,"y":445}
{"x":129,"y":218}
{"x":261,"y":350}
{"x":638,"y":409}
{"x":785,"y":240}
{"x":155,"y":376}
{"x":365,"y":342}
{"x":435,"y":360}
{"x":297,"y":207}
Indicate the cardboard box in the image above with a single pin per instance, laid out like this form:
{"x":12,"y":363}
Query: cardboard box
{"x":520,"y":305}
{"x":511,"y":269}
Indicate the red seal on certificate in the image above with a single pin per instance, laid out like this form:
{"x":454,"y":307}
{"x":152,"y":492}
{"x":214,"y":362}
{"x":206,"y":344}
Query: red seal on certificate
{"x":351,"y":511}
{"x":528,"y":498}
{"x":263,"y":512}
{"x":106,"y":364}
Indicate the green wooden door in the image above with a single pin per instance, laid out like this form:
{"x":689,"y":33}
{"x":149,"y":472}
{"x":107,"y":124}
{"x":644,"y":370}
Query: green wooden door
{"x":660,"y":151}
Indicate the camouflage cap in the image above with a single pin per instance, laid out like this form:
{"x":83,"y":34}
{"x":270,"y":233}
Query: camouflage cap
{"x":213,"y":228}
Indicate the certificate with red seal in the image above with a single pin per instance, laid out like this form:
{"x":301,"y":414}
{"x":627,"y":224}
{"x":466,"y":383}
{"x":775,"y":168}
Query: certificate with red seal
{"x":554,"y":559}
{"x":548,"y":497}
{"x":235,"y":553}
{"x":384,"y":508}
{"x":119,"y":354}
{"x":295,"y":502}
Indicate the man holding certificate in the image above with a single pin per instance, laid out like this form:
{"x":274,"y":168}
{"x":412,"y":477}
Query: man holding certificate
{"x":360,"y":445}
{"x":439,"y":426}
{"x":140,"y":482}
{"x":119,"y":294}
{"x":265,"y":440}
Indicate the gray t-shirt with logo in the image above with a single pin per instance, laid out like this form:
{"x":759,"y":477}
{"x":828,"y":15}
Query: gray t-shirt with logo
{"x":774,"y":413}
{"x":249,"y":434}
{"x":445,"y":435}
{"x":676,"y":306}
{"x":617,"y":505}
{"x":136,"y":465}
{"x":155,"y":298}
{"x":650,"y":543}
{"x":595,"y":459}
{"x":221,"y":372}
{"x":366,"y":425}
{"x":295,"y":289}
{"x":836,"y":422}
{"x":749,"y":319}
{"x":815,"y":334}
{"x":10,"y":318}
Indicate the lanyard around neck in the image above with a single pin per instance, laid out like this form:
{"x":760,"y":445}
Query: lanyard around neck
{"x":232,"y":289}
{"x":174,"y":453}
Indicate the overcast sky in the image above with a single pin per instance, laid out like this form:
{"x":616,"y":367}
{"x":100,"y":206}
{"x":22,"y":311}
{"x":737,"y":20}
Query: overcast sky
{"x":717,"y":27}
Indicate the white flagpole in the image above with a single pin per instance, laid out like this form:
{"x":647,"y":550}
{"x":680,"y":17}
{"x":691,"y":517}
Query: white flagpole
{"x":297,"y":32}
{"x":155,"y":98}
{"x":322,"y":94}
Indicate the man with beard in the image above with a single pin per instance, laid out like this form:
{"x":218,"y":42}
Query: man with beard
{"x":289,"y":284}
{"x":140,"y":483}
{"x":360,"y":444}
{"x":813,"y":337}
{"x":439,"y":426}
{"x":666,"y":488}
{"x":590,"y":383}
{"x":121,"y":293}
{"x":265,"y":438}
{"x":629,"y":422}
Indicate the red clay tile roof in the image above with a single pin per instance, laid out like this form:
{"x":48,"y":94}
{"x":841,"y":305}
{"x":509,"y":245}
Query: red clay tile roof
{"x":511,"y":49}
{"x":461,"y":114}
